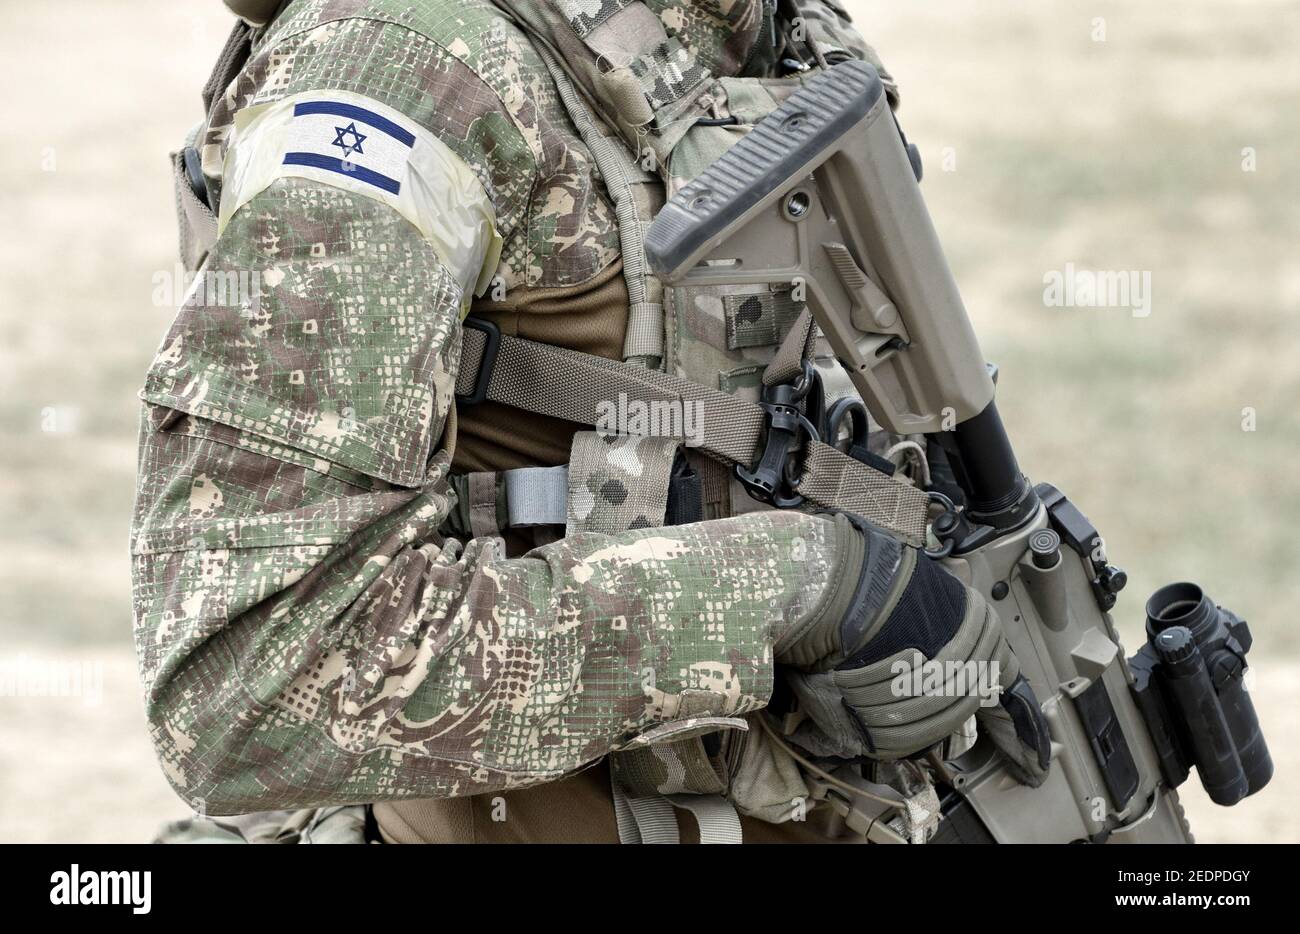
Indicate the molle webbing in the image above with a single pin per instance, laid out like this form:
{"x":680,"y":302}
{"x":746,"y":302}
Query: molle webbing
{"x":577,"y":387}
{"x":648,"y":84}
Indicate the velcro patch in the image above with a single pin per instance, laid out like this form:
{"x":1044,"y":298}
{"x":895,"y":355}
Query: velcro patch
{"x":353,"y":142}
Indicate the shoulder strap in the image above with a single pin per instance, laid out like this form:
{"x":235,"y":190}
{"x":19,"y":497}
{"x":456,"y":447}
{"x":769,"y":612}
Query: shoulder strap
{"x":195,"y":212}
{"x":637,"y":197}
{"x":230,"y":62}
{"x":576,"y":386}
{"x":255,"y":12}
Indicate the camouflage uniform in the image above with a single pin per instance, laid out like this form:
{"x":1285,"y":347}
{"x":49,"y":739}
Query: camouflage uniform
{"x":308,"y":635}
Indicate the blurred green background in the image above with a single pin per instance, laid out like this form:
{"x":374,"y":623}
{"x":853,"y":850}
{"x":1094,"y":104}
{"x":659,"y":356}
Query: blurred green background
{"x":1107,"y":135}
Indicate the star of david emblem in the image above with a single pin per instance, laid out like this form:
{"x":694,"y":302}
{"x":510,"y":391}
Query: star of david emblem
{"x":342,"y":142}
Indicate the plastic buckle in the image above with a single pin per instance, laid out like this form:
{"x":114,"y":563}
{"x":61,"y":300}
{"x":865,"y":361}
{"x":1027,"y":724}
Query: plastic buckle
{"x":774,"y":479}
{"x":486,"y":363}
{"x":193,"y":163}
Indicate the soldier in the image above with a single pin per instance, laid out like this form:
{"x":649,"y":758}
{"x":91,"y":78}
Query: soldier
{"x":370,"y":568}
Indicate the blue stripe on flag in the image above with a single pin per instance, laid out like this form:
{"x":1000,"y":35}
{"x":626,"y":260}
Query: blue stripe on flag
{"x":350,"y":169}
{"x":383,"y":124}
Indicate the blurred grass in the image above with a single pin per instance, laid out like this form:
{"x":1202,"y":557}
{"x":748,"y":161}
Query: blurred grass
{"x":1123,"y":154}
{"x":105,"y":90}
{"x":1126,"y":154}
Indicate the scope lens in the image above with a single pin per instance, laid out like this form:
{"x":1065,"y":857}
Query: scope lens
{"x":1174,"y":605}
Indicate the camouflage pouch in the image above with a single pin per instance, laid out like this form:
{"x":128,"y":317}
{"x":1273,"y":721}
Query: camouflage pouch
{"x":757,"y":776}
{"x":644,"y":78}
{"x":620,"y":482}
{"x":766,"y":782}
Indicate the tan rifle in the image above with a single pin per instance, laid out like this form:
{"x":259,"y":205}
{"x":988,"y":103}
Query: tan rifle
{"x":824,"y":195}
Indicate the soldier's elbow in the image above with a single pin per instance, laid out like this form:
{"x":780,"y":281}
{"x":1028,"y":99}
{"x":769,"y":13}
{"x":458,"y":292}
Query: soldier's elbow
{"x":205,"y":760}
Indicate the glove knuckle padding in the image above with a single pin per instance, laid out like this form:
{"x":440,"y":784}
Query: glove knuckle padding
{"x":936,"y":620}
{"x":894,"y":740}
{"x":929,"y":612}
{"x":978,"y":639}
{"x":922,"y":654}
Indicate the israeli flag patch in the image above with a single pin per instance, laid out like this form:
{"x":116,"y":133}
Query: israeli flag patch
{"x":353,"y":142}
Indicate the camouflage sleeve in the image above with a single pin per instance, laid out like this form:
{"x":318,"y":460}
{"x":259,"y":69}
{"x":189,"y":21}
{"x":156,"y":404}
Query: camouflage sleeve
{"x":305,"y":635}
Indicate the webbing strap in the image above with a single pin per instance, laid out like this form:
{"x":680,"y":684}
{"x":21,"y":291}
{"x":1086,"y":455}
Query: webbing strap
{"x":580,"y":387}
{"x":647,"y":820}
{"x":482,"y":503}
{"x":794,"y":350}
{"x":537,"y":495}
{"x":229,"y":63}
{"x":645,"y":326}
{"x":717,"y":817}
{"x":644,"y":339}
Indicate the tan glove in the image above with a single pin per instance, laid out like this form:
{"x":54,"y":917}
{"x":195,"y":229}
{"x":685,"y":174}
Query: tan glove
{"x":902,"y":656}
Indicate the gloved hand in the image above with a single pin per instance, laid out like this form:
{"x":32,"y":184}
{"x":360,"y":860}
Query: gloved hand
{"x":902,"y":655}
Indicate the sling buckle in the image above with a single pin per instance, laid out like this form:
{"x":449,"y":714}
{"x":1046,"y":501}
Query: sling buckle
{"x":776,"y":477}
{"x":486,"y":363}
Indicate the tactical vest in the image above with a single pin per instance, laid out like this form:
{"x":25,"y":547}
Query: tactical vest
{"x":653,"y":114}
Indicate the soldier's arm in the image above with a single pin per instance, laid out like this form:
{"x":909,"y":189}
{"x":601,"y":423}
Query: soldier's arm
{"x":305,"y":635}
